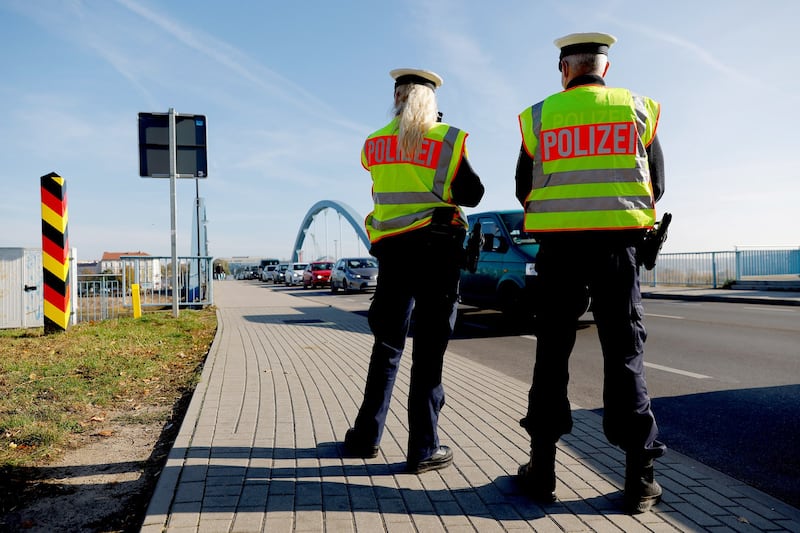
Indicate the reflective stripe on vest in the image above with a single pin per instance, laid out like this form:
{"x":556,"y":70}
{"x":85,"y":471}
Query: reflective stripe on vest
{"x":406,"y":191}
{"x":590,"y":161}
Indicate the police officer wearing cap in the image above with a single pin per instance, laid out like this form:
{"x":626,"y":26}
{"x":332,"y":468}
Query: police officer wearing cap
{"x":420,"y":176}
{"x":588,"y":175}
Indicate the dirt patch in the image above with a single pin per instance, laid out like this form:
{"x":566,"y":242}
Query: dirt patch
{"x":102,"y":484}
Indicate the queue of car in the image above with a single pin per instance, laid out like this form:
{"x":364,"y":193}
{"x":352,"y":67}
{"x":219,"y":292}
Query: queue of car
{"x":348,"y":274}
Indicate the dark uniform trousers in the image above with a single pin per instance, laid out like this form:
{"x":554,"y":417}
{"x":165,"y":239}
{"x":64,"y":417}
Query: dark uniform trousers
{"x":607,"y":265}
{"x":417,"y":271}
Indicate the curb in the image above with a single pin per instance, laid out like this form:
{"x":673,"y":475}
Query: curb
{"x":761,"y":300}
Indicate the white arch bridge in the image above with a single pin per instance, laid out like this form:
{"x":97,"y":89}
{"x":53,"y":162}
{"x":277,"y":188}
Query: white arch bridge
{"x":344,"y":211}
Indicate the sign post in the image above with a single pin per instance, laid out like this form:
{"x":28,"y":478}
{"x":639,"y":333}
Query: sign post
{"x":173,"y":205}
{"x":172,"y":145}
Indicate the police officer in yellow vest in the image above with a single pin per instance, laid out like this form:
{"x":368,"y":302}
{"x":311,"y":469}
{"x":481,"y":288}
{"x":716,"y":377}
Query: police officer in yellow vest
{"x":420,"y":177}
{"x":589,"y":173}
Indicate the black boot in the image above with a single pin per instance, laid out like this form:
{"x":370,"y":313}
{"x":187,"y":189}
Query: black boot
{"x":642,"y":491}
{"x":537,"y":477}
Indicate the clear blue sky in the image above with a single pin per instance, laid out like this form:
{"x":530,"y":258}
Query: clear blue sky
{"x":290,"y":90}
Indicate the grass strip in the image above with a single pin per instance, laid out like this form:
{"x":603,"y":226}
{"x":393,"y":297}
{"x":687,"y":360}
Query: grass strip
{"x":58,"y":388}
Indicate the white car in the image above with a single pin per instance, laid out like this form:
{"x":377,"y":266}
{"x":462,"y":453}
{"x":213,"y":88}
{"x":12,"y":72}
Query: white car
{"x":294,"y":274}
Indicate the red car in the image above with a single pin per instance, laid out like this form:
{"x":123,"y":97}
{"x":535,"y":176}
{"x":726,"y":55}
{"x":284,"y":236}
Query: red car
{"x":317,"y":273}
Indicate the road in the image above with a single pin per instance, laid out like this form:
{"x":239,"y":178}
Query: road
{"x":724,"y":378}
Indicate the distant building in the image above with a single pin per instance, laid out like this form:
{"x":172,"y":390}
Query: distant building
{"x":88,"y":268}
{"x":148,"y":271}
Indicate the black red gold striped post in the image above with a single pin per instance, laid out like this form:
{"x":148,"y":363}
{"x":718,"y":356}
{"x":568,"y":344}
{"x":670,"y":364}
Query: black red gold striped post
{"x":55,"y":253}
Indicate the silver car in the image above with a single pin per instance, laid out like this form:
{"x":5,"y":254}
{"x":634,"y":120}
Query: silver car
{"x":354,"y":274}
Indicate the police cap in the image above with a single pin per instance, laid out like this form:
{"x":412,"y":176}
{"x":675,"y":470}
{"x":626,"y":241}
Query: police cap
{"x":584,"y":43}
{"x":404,"y":76}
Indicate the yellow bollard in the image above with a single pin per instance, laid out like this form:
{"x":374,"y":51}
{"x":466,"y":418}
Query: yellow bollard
{"x":137,"y":304}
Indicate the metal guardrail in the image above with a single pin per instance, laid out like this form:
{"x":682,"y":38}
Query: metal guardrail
{"x":107,"y":296}
{"x":99,"y":297}
{"x":153,"y":274}
{"x":718,"y":269}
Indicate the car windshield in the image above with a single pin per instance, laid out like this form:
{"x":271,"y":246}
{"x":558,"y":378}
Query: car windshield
{"x":322,"y":266}
{"x":514,"y":223}
{"x":299,"y":266}
{"x":362,"y":263}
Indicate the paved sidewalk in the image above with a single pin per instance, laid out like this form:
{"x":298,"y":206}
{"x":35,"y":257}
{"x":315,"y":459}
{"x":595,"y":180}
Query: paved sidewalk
{"x":259,"y":447}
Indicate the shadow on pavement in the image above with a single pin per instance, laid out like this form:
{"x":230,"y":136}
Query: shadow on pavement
{"x":761,"y":428}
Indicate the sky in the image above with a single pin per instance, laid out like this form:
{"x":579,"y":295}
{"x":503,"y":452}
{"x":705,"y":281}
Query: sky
{"x":290,"y":90}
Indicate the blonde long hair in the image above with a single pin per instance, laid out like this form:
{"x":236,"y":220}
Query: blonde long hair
{"x":415,"y":105}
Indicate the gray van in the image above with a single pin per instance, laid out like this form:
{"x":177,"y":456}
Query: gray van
{"x":505,"y":278}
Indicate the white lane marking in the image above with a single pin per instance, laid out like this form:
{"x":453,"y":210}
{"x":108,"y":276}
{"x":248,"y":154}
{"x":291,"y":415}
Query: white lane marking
{"x":771,"y":308}
{"x":677,"y":371}
{"x":653,"y":365}
{"x":665,"y":316}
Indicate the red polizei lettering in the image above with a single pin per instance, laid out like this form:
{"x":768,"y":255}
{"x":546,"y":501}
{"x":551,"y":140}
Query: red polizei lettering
{"x":616,"y":138}
{"x":384,"y":151}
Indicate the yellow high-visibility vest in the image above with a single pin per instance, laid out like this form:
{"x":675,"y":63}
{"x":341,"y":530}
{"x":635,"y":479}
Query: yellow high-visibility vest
{"x":406,"y":190}
{"x":590,"y":169}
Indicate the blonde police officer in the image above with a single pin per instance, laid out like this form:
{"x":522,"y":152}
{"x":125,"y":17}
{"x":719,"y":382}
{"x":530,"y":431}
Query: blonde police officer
{"x":420,"y":177}
{"x":588,"y":174}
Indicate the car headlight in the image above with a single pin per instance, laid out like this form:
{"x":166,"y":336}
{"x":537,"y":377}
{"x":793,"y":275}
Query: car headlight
{"x":530,"y":269}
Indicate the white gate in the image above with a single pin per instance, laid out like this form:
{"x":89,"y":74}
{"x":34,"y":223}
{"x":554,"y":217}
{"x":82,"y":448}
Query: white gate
{"x":21,"y":288}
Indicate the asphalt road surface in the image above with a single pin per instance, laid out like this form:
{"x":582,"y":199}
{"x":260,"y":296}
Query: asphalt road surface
{"x":724,"y":378}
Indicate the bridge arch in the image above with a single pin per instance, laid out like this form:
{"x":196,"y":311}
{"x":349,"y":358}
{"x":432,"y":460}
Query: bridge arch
{"x":355,"y":220}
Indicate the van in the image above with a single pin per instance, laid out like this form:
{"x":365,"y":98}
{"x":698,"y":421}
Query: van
{"x":505,"y":278}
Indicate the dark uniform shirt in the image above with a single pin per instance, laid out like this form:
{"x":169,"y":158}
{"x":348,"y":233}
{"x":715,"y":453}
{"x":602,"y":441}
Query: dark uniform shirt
{"x":467,"y":188}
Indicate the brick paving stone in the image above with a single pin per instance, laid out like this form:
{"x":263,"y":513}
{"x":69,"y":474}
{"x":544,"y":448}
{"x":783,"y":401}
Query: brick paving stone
{"x":400,"y":525}
{"x":247,"y":522}
{"x":338,"y":525}
{"x":308,"y":520}
{"x":367,"y":522}
{"x":190,"y":492}
{"x":213,"y":526}
{"x":428,"y":523}
{"x":279,"y":523}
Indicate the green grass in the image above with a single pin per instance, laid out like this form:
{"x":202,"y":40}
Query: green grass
{"x":57,"y":388}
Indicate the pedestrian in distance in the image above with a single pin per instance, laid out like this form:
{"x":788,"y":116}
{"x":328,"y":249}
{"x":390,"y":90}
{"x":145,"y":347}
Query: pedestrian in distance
{"x":588,"y":175}
{"x":420,"y":177}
